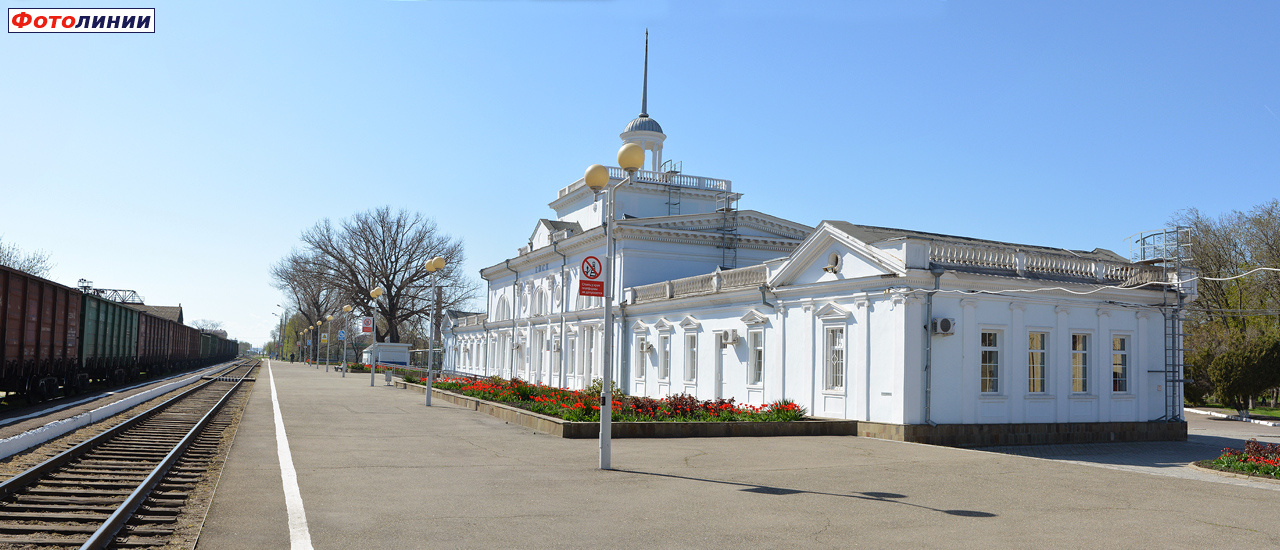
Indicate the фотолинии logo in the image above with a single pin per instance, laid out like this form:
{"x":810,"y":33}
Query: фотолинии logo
{"x":82,"y":20}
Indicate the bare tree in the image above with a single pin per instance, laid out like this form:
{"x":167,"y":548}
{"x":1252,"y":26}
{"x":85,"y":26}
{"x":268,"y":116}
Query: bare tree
{"x":36,"y":263}
{"x":207,"y":325}
{"x":378,"y":248}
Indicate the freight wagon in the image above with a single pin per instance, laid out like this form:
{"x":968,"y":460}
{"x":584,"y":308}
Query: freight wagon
{"x":60,"y":339}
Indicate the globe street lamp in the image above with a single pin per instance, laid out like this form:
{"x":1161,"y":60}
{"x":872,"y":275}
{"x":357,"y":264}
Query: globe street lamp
{"x":328,"y":330}
{"x":630,"y":158}
{"x":315,"y":351}
{"x":374,"y":294}
{"x":346,"y":325}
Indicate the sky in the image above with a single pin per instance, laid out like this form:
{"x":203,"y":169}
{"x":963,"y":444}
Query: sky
{"x":183,"y":164}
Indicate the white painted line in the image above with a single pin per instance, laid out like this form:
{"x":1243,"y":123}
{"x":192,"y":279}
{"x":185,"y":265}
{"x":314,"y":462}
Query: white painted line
{"x":299,"y":535}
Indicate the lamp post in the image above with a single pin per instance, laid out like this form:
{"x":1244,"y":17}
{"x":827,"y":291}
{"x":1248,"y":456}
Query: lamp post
{"x":433,"y":265}
{"x":346,"y":325}
{"x":373,"y":369}
{"x":298,"y":345}
{"x":315,"y":351}
{"x":630,"y":158}
{"x":280,"y":344}
{"x":328,"y":330}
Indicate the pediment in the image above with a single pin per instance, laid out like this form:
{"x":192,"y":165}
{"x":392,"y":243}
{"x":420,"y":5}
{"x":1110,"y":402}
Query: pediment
{"x":831,"y":312}
{"x":754,"y":317}
{"x":833,"y":255}
{"x":689,"y":323}
{"x":663,"y":326}
{"x":640,"y":328}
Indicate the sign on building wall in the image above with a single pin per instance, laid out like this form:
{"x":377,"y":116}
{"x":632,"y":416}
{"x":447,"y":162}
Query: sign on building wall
{"x":589,"y":286}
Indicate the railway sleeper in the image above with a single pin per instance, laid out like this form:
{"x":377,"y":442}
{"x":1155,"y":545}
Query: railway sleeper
{"x":18,"y":528}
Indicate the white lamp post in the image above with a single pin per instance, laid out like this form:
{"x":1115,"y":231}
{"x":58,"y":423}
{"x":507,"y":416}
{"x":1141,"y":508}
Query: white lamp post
{"x":630,"y":158}
{"x":346,"y":325}
{"x":328,"y":331}
{"x":373,"y":369}
{"x":433,"y":265}
{"x":316,"y":349}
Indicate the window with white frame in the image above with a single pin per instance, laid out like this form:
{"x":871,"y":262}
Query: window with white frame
{"x":1080,"y":363}
{"x":755,"y":363}
{"x":833,"y":355}
{"x":664,"y":357}
{"x":690,"y":357}
{"x":639,"y":365}
{"x":571,"y":356}
{"x":1120,"y":364}
{"x":1037,"y":361}
{"x":990,"y":353}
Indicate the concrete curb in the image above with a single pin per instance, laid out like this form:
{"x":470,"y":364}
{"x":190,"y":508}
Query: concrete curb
{"x":1238,"y":475}
{"x":1271,"y":423}
{"x":13,"y":445}
{"x":586,"y":430}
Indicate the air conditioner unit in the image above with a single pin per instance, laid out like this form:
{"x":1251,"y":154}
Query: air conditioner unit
{"x":555,"y":345}
{"x":646,"y":347}
{"x":943,"y":326}
{"x":728,"y":338}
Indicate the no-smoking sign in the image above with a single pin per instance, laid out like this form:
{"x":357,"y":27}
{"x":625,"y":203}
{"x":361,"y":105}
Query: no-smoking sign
{"x":591,"y":270}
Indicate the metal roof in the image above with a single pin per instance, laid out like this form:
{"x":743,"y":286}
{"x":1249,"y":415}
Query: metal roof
{"x":643,"y":124}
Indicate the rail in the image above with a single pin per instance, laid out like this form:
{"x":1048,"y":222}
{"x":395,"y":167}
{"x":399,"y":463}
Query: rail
{"x":134,"y":440}
{"x":661,"y":178}
{"x":699,"y":285}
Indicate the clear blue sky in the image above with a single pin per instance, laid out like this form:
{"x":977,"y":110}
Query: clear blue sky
{"x":182,"y":164}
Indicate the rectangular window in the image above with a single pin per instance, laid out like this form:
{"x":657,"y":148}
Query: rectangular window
{"x":990,"y":362}
{"x":1119,"y":364}
{"x":690,"y":357}
{"x":639,"y":365}
{"x":834,"y":358}
{"x":664,"y":357}
{"x":1037,"y":360}
{"x":755,"y":368}
{"x":571,"y":357}
{"x":1080,"y":363}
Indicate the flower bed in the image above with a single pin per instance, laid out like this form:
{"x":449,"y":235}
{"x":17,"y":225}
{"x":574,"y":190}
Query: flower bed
{"x":583,"y":406}
{"x":1259,"y":459}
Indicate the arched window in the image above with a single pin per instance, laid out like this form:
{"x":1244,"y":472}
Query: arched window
{"x":503,"y":311}
{"x":541,"y":303}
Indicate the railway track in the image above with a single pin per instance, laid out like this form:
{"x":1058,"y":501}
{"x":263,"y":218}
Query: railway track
{"x":126,"y":487}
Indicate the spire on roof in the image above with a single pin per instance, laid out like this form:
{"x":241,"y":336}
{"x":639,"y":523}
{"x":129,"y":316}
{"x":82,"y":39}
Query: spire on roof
{"x":644,"y":93}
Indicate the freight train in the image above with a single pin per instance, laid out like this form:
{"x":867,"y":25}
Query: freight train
{"x":59,"y":339}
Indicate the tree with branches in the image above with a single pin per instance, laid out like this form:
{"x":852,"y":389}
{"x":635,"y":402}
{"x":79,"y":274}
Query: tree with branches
{"x":1234,"y":320}
{"x":340,"y":263}
{"x":36,"y":263}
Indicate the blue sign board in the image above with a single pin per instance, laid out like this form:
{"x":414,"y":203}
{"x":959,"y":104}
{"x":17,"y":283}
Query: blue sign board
{"x":308,"y":341}
{"x":342,"y":335}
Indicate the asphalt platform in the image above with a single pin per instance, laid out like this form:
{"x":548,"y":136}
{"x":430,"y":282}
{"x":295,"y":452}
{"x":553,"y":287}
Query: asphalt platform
{"x":377,"y":469}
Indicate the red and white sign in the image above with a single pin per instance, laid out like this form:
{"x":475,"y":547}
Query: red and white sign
{"x":591,"y":267}
{"x":367,"y":325}
{"x":591,"y":288}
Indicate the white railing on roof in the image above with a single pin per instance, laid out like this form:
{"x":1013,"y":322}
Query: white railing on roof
{"x":661,"y":178}
{"x":710,"y":283}
{"x":973,"y":255}
{"x":1040,"y":263}
{"x":744,"y":276}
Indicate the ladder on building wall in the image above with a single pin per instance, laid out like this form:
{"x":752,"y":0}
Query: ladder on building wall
{"x":1170,"y":249}
{"x":671,"y":168}
{"x":727,"y":206}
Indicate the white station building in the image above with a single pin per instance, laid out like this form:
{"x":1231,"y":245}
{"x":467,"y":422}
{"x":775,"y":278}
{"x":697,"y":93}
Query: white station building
{"x":918,"y":336}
